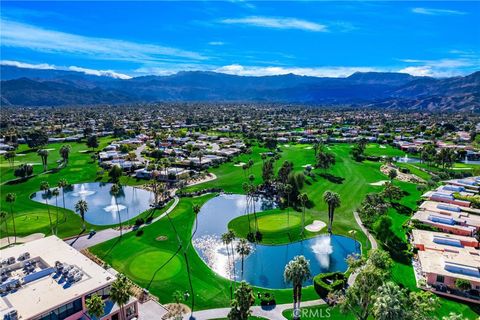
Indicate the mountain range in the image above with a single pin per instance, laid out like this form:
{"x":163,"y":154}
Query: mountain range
{"x":35,"y":87}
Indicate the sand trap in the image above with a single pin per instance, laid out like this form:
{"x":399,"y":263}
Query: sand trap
{"x":307,"y":165}
{"x":308,"y":148}
{"x":462,"y":168}
{"x":35,"y":164}
{"x":83,"y":151}
{"x":50,"y":149}
{"x":33,"y":236}
{"x":162,"y":238}
{"x":286,"y":145}
{"x":20,"y":155}
{"x":379,"y":183}
{"x":316,"y":226}
{"x":241,"y":164}
{"x":383,"y":147}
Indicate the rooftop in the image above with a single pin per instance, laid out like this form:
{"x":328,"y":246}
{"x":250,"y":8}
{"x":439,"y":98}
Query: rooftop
{"x":42,"y":292}
{"x":456,"y":265}
{"x":444,"y":242}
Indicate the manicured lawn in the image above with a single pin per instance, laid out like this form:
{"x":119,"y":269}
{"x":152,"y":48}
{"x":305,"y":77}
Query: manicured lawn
{"x":378,"y":150}
{"x":414,"y":169}
{"x":31,"y":216}
{"x":141,"y":259}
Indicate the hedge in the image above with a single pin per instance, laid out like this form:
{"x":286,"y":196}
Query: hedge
{"x":322,"y":287}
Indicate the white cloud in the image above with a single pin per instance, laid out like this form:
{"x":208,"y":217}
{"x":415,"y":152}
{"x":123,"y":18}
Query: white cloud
{"x":105,"y":73}
{"x":16,"y":34}
{"x":256,"y":71}
{"x":44,"y":66}
{"x":216,"y":43}
{"x":18,"y":64}
{"x":437,"y":12}
{"x":440,"y":67}
{"x":278,"y":23}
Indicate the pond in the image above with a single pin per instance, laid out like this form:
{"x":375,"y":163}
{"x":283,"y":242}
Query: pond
{"x":265,"y":265}
{"x":102,"y":209}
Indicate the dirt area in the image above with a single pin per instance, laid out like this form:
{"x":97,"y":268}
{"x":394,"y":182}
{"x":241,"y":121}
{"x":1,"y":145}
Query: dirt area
{"x":406,"y":177}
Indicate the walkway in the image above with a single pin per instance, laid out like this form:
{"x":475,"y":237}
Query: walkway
{"x":264,"y":312}
{"x":34,"y":236}
{"x":86,"y":241}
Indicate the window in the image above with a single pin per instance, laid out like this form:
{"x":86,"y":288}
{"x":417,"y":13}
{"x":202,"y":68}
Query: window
{"x":440,"y":279}
{"x":64,"y":311}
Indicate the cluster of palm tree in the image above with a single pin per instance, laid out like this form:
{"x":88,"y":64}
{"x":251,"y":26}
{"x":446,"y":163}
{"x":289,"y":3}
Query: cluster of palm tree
{"x":332,"y":199}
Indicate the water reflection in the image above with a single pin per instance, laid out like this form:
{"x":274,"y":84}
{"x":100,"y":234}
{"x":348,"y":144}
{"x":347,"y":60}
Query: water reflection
{"x":265,"y":265}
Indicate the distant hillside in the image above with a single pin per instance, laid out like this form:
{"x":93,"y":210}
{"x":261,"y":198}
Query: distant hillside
{"x":32,"y":87}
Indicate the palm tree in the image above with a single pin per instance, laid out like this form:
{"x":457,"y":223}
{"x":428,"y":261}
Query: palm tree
{"x":62,"y":183}
{"x":303,"y":198}
{"x":119,"y":293}
{"x":332,"y":199}
{"x":10,"y":198}
{"x":231,"y":239}
{"x":288,"y":190}
{"x":43,"y":153}
{"x":4,"y":218}
{"x":45,"y":187}
{"x":227,"y":240}
{"x":115,"y":190}
{"x":297,"y":272}
{"x":64,"y":153}
{"x":95,"y":306}
{"x":243,"y":249}
{"x":56,"y":193}
{"x":82,"y":207}
{"x":196,"y":211}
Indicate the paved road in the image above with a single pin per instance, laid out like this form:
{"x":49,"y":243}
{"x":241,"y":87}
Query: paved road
{"x":272,"y":314}
{"x":107,"y":234}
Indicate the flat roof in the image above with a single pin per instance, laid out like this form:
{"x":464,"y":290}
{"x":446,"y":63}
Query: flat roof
{"x":470,"y":220}
{"x":426,"y":238}
{"x":41,"y":295}
{"x":433,"y":206}
{"x":436,"y":261}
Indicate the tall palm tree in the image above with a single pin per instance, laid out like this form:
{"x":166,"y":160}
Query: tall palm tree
{"x":45,"y":187}
{"x":243,"y":249}
{"x":43,"y":153}
{"x":332,"y":199}
{"x":119,"y":293}
{"x":64,"y":153}
{"x":82,"y":207}
{"x":56,"y":193}
{"x":63,"y":183}
{"x":4,"y":218}
{"x":288,"y":191}
{"x":303,"y":198}
{"x":196,"y":211}
{"x":227,"y":240}
{"x":115,"y":190}
{"x":246,"y":190}
{"x":231,"y":239}
{"x":297,"y":271}
{"x":10,"y":198}
{"x":95,"y":306}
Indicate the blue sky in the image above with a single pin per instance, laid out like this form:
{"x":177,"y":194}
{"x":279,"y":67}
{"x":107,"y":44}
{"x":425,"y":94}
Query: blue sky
{"x":124,"y":39}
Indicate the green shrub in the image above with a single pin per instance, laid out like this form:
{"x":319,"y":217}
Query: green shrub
{"x":327,"y":282}
{"x":267,"y":299}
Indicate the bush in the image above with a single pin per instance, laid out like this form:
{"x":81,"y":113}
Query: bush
{"x":404,"y":170}
{"x":139,"y":222}
{"x":327,"y":282}
{"x":139,"y":233}
{"x":267,"y":299}
{"x":149,"y":219}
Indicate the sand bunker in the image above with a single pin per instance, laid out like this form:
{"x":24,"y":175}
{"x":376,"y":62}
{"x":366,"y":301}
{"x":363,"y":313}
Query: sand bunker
{"x":379,"y":183}
{"x":307,"y":165}
{"x":241,"y":164}
{"x":316,"y":226}
{"x":383,"y":147}
{"x":286,"y":145}
{"x":162,"y":238}
{"x":308,"y":148}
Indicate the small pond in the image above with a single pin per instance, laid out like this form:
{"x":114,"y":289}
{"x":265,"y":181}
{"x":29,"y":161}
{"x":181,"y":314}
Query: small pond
{"x":265,"y":265}
{"x":102,"y":209}
{"x":406,"y":159}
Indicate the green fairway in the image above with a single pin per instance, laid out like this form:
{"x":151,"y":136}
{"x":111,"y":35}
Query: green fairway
{"x":31,"y":216}
{"x":166,"y":275}
{"x":379,"y":150}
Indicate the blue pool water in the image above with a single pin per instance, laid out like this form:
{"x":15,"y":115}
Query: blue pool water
{"x":102,"y":209}
{"x":264,"y":267}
